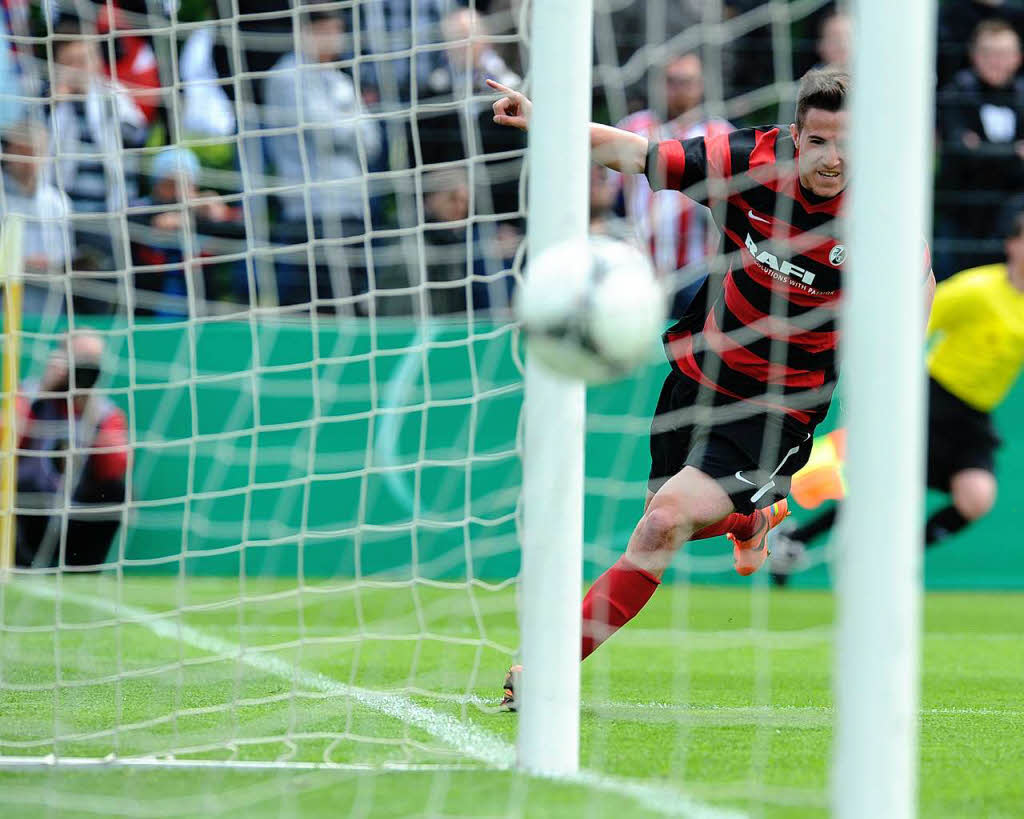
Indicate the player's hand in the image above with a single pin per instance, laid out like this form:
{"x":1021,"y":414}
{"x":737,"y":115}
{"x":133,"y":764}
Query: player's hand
{"x":513,"y":109}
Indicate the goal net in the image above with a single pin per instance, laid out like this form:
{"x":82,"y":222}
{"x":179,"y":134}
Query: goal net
{"x":265,"y":496}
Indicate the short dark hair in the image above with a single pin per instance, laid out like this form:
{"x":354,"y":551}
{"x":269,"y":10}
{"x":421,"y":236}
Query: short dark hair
{"x":69,"y":30}
{"x":322,"y":15}
{"x":835,"y":14}
{"x":822,"y":88}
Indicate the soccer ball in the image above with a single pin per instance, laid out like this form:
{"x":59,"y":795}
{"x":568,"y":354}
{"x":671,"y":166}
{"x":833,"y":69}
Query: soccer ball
{"x":591,"y":308}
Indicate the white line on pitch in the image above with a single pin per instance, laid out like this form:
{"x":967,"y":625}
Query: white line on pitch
{"x":778,"y":713}
{"x":465,"y":737}
{"x":50,"y":762}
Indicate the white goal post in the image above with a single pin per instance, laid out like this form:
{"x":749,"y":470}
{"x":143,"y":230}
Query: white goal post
{"x":554,"y":408}
{"x":877,"y":662}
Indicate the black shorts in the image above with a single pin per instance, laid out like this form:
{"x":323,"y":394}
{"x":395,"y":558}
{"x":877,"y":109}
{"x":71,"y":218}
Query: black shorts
{"x":752,"y":458}
{"x":959,"y":437}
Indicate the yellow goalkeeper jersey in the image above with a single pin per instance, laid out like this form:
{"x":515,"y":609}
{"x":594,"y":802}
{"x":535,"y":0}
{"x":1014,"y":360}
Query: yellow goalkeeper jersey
{"x":978,"y":323}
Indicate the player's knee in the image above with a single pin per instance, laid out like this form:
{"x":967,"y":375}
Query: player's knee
{"x":662,"y":528}
{"x":975,"y":496}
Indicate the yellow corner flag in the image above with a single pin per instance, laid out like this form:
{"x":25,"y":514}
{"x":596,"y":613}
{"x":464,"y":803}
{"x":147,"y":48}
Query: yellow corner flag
{"x":10,"y":278}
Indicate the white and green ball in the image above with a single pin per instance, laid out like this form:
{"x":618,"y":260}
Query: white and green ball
{"x":591,"y":308}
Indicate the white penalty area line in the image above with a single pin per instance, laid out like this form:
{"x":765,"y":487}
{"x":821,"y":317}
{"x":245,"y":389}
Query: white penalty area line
{"x":466,"y":738}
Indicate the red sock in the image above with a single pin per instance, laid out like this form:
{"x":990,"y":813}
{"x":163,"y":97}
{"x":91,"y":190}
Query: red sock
{"x":614,"y":600}
{"x":743,"y":526}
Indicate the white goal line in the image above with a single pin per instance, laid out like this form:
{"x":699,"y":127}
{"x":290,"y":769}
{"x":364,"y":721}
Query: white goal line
{"x":50,"y":761}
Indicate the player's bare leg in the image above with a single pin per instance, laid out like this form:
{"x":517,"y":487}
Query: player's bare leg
{"x":973,"y":492}
{"x":687,"y":502}
{"x":748,"y":533}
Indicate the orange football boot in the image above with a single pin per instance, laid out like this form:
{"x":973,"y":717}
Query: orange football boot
{"x":749,"y":555}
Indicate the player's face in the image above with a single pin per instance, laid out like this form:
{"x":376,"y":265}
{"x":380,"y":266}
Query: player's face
{"x":821,"y":151}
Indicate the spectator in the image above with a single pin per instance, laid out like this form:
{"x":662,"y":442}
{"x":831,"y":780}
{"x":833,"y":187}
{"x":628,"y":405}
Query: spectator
{"x":835,"y":41}
{"x":74,"y":447}
{"x":402,"y":27}
{"x":131,"y":62}
{"x":206,"y":108}
{"x":678,"y":231}
{"x":635,"y":24}
{"x":46,"y":242}
{"x":751,"y":55}
{"x":321,"y":158}
{"x":11,"y":107}
{"x":470,"y":59}
{"x":465,"y":262}
{"x":981,"y":124}
{"x":605,"y":186}
{"x":95,"y":125}
{"x":445,"y":213}
{"x":459,"y":124}
{"x":958,"y":19}
{"x":169,"y":230}
{"x":750,"y":60}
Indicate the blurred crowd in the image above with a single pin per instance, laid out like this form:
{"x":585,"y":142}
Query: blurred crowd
{"x":171,"y":160}
{"x":174,"y":158}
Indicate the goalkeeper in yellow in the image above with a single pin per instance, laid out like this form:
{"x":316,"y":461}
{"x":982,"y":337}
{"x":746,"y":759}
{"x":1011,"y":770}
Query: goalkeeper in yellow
{"x":976,"y":332}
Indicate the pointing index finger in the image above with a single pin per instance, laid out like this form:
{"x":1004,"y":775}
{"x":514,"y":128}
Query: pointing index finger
{"x":497,"y":86}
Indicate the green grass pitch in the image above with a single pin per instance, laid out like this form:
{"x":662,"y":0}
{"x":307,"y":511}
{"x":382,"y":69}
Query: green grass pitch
{"x":712,"y":702}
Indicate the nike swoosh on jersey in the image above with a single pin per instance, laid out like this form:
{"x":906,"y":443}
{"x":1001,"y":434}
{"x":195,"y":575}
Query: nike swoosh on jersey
{"x":757,"y":218}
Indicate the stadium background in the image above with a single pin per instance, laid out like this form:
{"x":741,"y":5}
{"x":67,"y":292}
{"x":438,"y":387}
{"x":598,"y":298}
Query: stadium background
{"x":225,"y":440}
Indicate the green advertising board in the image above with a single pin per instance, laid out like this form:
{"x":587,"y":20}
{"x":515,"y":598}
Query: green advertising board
{"x":350,"y":447}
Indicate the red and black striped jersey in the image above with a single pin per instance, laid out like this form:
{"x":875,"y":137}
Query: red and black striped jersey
{"x":770,"y":338}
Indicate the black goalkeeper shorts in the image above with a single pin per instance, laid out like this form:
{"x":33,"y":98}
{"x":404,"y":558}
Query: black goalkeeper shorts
{"x":752,"y":457}
{"x":959,"y":437}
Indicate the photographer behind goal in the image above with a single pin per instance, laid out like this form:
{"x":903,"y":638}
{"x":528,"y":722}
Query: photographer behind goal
{"x":72,"y":460}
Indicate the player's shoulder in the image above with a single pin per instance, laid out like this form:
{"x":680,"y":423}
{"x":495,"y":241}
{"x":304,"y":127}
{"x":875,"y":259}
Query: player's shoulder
{"x":984,"y":277}
{"x":982,"y":273}
{"x":763,"y":144}
{"x":755,"y":134}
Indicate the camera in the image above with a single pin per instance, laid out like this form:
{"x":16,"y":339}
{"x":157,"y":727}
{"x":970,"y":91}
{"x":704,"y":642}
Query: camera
{"x":85,"y":377}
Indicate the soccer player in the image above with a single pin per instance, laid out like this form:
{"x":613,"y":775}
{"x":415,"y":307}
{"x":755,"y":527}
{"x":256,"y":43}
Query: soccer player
{"x":752,"y":378}
{"x":981,"y":309}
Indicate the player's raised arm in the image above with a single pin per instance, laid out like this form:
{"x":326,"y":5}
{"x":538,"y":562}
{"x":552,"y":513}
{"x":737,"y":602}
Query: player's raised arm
{"x":612,"y":147}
